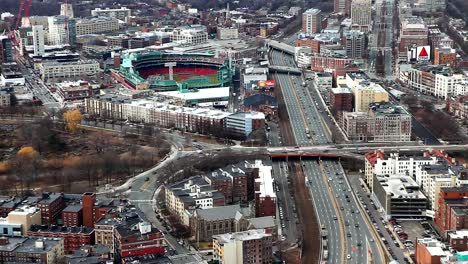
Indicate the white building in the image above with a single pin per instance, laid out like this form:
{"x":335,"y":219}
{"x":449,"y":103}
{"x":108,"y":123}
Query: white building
{"x":323,"y":80}
{"x":96,"y":25}
{"x":377,"y":163}
{"x":438,"y":81}
{"x":304,"y":59}
{"x":61,"y":30}
{"x":190,"y":35}
{"x":68,"y":69}
{"x":66,"y":10}
{"x":243,"y":123}
{"x":227,"y":33}
{"x":122,"y":13}
{"x":38,"y":40}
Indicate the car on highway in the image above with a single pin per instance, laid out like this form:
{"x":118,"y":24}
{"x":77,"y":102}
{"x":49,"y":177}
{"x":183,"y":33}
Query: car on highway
{"x":335,"y":218}
{"x":348,"y":256}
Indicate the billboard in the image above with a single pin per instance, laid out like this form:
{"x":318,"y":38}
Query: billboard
{"x":419,"y":53}
{"x":267,"y":83}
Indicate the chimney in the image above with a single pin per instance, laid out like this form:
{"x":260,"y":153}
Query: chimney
{"x":4,"y":241}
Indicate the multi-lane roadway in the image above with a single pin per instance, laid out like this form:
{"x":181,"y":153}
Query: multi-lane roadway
{"x":348,"y":234}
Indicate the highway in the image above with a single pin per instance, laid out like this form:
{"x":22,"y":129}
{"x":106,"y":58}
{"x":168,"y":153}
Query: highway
{"x":348,"y":234}
{"x":286,"y":202}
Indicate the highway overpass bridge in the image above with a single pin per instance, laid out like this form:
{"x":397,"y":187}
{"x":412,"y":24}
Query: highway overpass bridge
{"x":284,"y":69}
{"x":338,"y":151}
{"x":280,"y":46}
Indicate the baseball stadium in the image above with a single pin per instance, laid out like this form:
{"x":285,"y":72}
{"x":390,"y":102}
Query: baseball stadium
{"x":170,"y":71}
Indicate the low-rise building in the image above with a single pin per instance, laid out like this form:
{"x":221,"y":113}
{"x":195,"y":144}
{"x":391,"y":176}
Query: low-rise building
{"x":252,"y":246}
{"x":341,"y":100}
{"x":95,"y":25}
{"x":378,"y":163}
{"x":430,"y":251}
{"x":5,"y":99}
{"x":452,"y":209}
{"x":458,"y":107}
{"x":72,"y":215}
{"x":227,"y":33}
{"x":389,"y":123}
{"x":74,"y":237}
{"x":190,"y":35}
{"x":31,"y":250}
{"x":437,"y":80}
{"x":75,"y":90}
{"x":204,"y":224}
{"x":136,"y":237}
{"x":399,"y":196}
{"x":51,"y":205}
{"x":25,"y":217}
{"x":242,"y":124}
{"x":190,"y":194}
{"x":323,"y":80}
{"x":50,"y":70}
{"x":122,"y":13}
{"x":366,"y":93}
{"x":265,"y":196}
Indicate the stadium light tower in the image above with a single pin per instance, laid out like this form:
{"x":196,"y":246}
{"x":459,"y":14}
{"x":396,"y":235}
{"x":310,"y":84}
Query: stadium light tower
{"x":171,"y":66}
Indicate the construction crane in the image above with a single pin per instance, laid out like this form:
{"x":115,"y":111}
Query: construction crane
{"x":23,"y":11}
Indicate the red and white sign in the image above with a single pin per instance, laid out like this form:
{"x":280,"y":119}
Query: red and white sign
{"x":423,"y":53}
{"x":420,"y":53}
{"x":267,"y":83}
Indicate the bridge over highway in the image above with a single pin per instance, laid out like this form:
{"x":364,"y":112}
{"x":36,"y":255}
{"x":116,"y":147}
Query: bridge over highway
{"x":284,"y":69}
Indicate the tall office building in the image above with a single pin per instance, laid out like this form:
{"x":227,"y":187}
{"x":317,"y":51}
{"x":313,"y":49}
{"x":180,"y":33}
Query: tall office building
{"x":361,"y":15}
{"x":355,"y":44}
{"x":62,"y":30}
{"x":6,"y":50}
{"x":66,"y":10}
{"x":38,"y":40}
{"x":342,"y":6}
{"x":311,"y":20}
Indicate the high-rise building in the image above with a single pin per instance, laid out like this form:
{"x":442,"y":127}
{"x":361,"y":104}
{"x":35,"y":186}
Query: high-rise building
{"x":361,"y":15}
{"x":311,"y":21}
{"x":252,"y":246}
{"x":342,"y":6}
{"x":62,"y":30}
{"x":66,"y":10}
{"x":6,"y":50}
{"x":38,"y":40}
{"x":355,"y":42}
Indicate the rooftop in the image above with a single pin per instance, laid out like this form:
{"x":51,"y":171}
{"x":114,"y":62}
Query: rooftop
{"x":207,"y":93}
{"x":219,"y":213}
{"x":265,"y":180}
{"x":400,"y":187}
{"x":73,"y":208}
{"x":242,"y":236}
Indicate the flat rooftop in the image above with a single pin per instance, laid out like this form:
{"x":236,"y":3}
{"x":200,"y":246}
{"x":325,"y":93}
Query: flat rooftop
{"x":400,"y":186}
{"x":208,"y":93}
{"x":241,"y":236}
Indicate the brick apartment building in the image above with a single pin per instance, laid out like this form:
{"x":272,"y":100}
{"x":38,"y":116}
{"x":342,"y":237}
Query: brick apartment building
{"x":72,"y":215}
{"x":138,"y":239}
{"x":51,"y":205}
{"x":74,"y":237}
{"x":453,"y":209}
{"x":341,"y":100}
